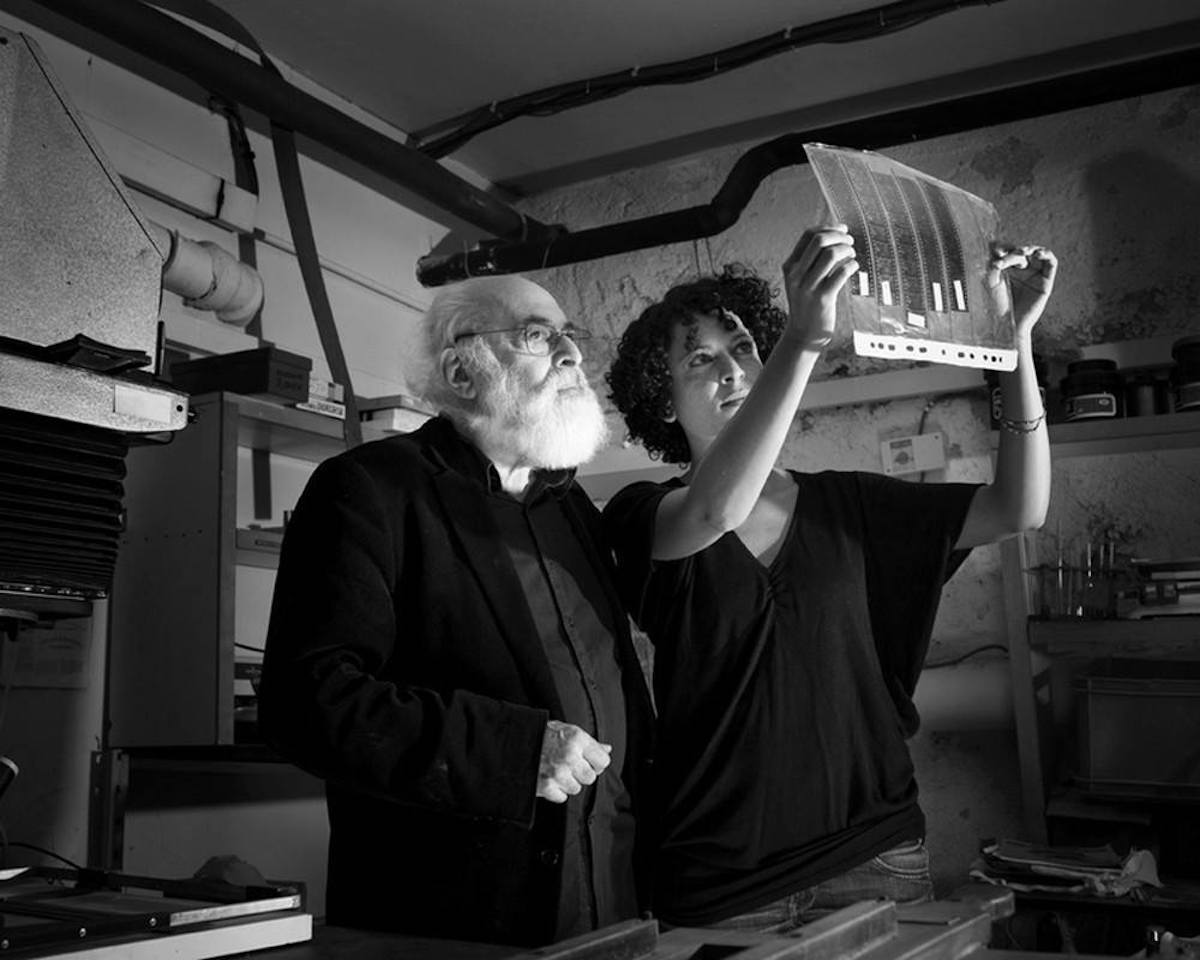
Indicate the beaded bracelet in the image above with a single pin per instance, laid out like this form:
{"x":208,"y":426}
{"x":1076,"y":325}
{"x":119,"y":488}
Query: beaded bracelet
{"x":1022,"y":426}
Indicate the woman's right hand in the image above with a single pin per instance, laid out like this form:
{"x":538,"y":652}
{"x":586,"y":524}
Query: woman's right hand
{"x":813,"y":276}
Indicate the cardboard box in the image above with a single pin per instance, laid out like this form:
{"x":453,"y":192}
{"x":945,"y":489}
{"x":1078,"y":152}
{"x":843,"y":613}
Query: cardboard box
{"x":265,"y":372}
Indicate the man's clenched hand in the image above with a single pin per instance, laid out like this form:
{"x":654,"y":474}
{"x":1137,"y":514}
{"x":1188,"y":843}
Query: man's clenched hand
{"x":571,"y":759}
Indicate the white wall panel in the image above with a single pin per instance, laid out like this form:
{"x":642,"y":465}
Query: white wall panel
{"x":376,"y":332}
{"x":354,"y":226}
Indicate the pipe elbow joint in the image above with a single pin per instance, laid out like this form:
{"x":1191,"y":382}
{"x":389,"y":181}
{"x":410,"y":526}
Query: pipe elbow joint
{"x":208,"y":277}
{"x":236,"y":291}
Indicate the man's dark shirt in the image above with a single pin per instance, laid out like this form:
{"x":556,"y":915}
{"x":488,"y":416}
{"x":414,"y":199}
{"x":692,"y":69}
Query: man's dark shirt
{"x":576,"y":624}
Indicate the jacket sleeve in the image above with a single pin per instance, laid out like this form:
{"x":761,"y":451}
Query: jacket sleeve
{"x":333,"y":697}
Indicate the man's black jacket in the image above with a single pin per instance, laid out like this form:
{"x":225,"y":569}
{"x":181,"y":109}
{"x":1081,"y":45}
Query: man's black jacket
{"x":403,"y":666}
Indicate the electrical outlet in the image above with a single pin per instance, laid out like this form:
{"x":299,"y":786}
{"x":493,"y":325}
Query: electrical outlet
{"x":912,"y":454}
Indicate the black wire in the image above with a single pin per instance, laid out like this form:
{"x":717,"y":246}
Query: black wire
{"x":43,"y":850}
{"x":1006,"y":926}
{"x":239,"y":141}
{"x":446,"y":136}
{"x":929,"y":405}
{"x":936,"y":664}
{"x":246,"y":646}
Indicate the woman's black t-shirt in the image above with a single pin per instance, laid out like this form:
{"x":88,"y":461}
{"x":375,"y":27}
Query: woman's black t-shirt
{"x":784,"y":692}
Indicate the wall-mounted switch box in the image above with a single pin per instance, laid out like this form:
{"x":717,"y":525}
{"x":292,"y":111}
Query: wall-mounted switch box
{"x":913,"y":454}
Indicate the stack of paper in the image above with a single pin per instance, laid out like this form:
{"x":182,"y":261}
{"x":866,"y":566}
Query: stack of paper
{"x":1093,"y":870}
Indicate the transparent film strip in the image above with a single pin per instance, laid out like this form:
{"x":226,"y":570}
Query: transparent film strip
{"x":923,"y":248}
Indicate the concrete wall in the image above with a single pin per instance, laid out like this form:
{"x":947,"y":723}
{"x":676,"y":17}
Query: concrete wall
{"x":1114,"y":191}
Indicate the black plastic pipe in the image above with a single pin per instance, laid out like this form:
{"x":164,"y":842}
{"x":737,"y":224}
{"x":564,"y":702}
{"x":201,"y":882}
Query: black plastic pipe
{"x":849,"y":27}
{"x":175,"y":46}
{"x":1039,"y":98}
{"x":691,"y":223}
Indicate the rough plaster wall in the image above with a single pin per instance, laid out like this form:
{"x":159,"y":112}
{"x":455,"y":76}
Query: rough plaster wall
{"x":1113,"y":190}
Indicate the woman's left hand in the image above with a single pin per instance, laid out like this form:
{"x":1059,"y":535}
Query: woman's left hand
{"x":1031,"y":271}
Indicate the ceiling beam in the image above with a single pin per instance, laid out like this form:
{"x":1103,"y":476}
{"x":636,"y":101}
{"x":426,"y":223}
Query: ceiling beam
{"x":171,"y":44}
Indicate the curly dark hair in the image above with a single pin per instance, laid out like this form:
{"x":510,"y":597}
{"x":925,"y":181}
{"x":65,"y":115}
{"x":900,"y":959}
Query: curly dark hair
{"x":640,"y":378}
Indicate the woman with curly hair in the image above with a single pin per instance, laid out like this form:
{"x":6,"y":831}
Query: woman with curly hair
{"x":791,"y":612}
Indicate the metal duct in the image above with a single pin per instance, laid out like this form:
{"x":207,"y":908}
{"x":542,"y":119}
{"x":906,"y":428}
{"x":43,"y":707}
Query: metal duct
{"x":80,"y":278}
{"x":76,"y":256}
{"x":80,"y":270}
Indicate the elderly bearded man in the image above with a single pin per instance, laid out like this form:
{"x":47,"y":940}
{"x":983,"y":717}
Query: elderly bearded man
{"x":448,"y":652}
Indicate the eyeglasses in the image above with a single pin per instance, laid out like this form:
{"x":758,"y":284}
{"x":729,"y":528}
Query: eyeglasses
{"x":537,"y":339}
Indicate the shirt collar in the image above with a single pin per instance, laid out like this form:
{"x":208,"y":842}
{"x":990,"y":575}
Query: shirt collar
{"x":462,"y":456}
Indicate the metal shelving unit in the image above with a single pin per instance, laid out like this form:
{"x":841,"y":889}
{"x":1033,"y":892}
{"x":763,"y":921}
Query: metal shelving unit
{"x":171,"y":669}
{"x":1170,"y":637}
{"x":1041,"y":650}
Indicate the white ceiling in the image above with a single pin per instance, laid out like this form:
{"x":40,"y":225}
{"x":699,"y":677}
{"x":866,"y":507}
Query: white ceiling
{"x":415,"y":63}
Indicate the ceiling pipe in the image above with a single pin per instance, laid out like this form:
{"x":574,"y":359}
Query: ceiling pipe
{"x":170,"y":43}
{"x":447,"y":136}
{"x":1039,"y":98}
{"x":691,"y":223}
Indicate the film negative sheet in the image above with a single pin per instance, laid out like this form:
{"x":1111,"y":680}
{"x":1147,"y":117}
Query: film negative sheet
{"x":923,"y":247}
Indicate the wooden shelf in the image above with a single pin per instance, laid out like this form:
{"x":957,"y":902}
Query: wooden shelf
{"x":1165,"y":431}
{"x":1090,"y":438}
{"x":264,"y":425}
{"x":1176,"y":637}
{"x":1069,"y":799}
{"x":258,"y":548}
{"x":1068,"y":642}
{"x":266,"y":559}
{"x":276,"y":428}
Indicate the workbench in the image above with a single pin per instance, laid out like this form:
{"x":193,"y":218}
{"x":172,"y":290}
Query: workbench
{"x":872,"y":930}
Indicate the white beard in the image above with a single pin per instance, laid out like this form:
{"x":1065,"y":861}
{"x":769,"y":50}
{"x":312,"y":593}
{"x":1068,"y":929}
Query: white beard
{"x":539,"y":426}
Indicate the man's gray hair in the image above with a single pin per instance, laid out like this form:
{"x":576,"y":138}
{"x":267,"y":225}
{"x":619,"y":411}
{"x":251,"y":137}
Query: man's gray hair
{"x":471,"y":305}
